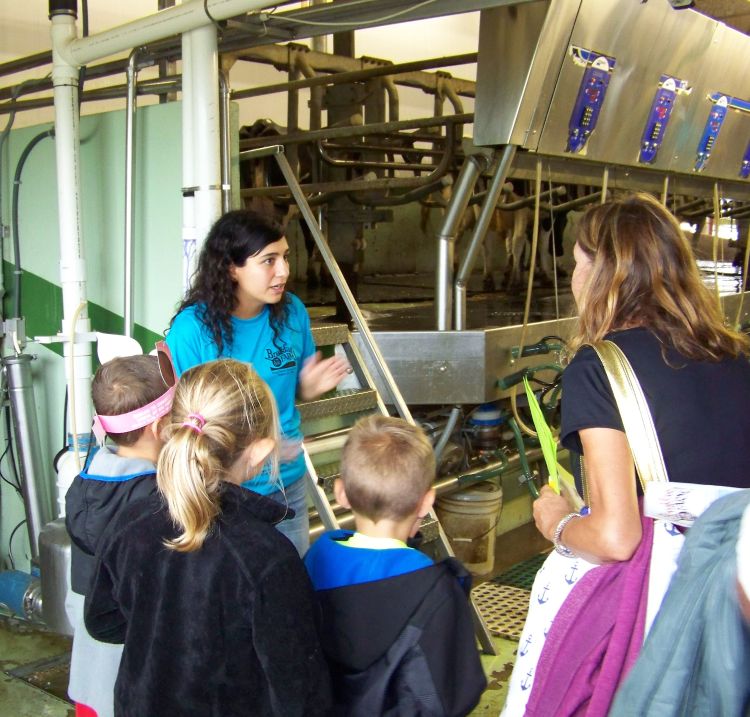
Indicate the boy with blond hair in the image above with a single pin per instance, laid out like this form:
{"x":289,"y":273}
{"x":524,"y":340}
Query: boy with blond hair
{"x":396,"y":627}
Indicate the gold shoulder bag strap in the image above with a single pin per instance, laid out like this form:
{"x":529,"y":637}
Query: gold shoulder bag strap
{"x":634,"y":412}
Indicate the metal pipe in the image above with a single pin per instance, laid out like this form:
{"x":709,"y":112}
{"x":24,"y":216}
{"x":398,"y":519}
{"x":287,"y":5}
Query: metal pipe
{"x":146,"y":87}
{"x":413,"y":195}
{"x":358,"y":130}
{"x":226,"y":180}
{"x":316,"y":92}
{"x":354,"y":185}
{"x":483,"y":222}
{"x":565,"y":206}
{"x":205,"y":110}
{"x":130,"y":112}
{"x":358,"y":75}
{"x":531,"y":200}
{"x":341,"y":285}
{"x":189,"y":234}
{"x":26,"y":63}
{"x":393,"y":101}
{"x":365,"y":164}
{"x":689,"y":205}
{"x":36,"y":496}
{"x":473,"y":166}
{"x":175,"y":20}
{"x":386,"y":148}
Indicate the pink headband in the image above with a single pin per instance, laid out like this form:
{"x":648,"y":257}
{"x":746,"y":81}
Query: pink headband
{"x":133,"y":420}
{"x":195,"y":421}
{"x":147,"y":414}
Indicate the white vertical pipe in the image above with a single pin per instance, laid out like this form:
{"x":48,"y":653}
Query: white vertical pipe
{"x":189,"y":239}
{"x":72,"y":261}
{"x":226,"y":128}
{"x":130,"y":152}
{"x":206,"y":129}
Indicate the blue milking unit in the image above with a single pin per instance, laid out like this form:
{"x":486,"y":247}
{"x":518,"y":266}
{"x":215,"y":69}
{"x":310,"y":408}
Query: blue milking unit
{"x":745,"y":167}
{"x":658,"y":118}
{"x":591,"y":94}
{"x":722,"y":104}
{"x":715,"y":120}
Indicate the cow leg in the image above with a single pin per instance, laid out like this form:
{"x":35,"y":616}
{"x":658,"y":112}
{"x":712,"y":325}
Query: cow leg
{"x":488,"y":283}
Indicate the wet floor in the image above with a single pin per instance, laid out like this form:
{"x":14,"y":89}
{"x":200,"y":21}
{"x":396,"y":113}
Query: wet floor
{"x":406,"y":302}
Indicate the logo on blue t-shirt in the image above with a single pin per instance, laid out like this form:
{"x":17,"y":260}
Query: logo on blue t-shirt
{"x":281,"y":358}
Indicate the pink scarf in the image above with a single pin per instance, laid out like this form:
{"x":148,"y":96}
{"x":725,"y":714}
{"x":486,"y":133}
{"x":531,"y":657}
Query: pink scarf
{"x":595,"y":638}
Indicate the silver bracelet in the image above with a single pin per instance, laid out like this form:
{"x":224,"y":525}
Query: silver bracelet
{"x":559,"y":547}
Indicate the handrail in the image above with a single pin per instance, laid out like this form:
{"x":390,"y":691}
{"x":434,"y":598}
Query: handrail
{"x":351,"y":304}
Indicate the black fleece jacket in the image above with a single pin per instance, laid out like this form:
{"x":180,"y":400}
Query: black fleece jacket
{"x":403,"y":646}
{"x":226,"y":630}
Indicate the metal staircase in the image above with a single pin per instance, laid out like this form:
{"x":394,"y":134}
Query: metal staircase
{"x":327,"y":419}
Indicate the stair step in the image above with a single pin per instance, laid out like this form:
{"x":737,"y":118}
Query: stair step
{"x":327,"y":474}
{"x":329,"y":334}
{"x":339,"y":404}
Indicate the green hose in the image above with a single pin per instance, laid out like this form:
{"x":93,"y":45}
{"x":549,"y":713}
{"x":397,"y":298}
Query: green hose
{"x":528,"y":477}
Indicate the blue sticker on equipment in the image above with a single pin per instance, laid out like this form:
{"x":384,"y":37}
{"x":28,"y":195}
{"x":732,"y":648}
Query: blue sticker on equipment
{"x":591,"y":94}
{"x":711,"y":131}
{"x":658,"y":117}
{"x":745,"y":168}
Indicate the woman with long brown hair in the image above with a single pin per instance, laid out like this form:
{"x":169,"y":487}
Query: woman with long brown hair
{"x":636,"y":283}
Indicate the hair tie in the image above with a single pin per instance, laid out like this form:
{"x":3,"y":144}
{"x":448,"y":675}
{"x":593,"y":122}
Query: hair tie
{"x":195,"y":421}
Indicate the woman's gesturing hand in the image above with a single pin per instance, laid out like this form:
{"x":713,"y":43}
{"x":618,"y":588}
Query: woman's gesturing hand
{"x":320,"y":375}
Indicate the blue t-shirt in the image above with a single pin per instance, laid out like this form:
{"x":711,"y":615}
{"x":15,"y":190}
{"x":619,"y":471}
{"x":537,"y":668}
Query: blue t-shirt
{"x":332,"y":564}
{"x":277,"y":360}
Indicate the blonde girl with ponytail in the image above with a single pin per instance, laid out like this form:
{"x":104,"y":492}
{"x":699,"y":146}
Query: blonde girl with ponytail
{"x":211,"y":601}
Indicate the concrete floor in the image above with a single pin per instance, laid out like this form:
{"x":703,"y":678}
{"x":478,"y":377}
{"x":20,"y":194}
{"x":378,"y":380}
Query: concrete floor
{"x":33,"y":662}
{"x":24,"y":647}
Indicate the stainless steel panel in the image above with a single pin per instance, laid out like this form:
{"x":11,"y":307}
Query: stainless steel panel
{"x":576,"y":171}
{"x":54,"y":568}
{"x":640,"y":37}
{"x":448,"y":367}
{"x":519,"y":49}
{"x":728,"y":63}
{"x":528,"y":82}
{"x":463,"y":367}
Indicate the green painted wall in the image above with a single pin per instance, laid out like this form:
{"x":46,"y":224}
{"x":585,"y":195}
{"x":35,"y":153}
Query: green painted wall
{"x":157,"y":252}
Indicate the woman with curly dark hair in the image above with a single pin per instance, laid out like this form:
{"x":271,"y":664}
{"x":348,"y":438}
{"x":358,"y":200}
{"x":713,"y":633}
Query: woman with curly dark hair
{"x":238,"y":307}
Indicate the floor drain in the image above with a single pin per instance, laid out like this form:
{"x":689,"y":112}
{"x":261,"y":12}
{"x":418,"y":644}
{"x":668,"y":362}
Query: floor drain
{"x":503,"y":608}
{"x":50,"y":675}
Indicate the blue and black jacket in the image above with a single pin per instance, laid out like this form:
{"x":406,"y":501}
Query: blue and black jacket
{"x":108,"y":483}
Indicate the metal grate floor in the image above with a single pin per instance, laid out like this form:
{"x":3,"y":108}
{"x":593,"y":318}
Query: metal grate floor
{"x":503,"y":608}
{"x":521,"y":575}
{"x":504,"y":601}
